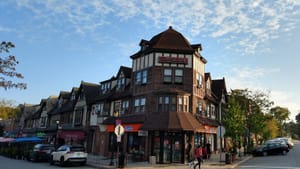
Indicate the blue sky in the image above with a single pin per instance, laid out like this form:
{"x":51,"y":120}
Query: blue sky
{"x":253,"y":44}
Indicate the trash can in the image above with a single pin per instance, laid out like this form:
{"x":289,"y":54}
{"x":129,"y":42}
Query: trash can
{"x":121,"y":161}
{"x":228,"y":159}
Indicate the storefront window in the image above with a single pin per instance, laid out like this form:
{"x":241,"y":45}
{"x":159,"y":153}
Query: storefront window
{"x":136,"y":144}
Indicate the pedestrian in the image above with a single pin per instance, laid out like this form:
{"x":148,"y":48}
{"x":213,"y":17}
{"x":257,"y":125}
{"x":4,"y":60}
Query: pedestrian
{"x":198,"y":156}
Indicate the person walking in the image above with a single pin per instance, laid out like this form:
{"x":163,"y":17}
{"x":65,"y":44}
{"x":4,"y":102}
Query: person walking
{"x":198,"y":156}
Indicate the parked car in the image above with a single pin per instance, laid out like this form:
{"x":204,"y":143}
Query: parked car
{"x":69,"y":154}
{"x":271,"y":148}
{"x":287,"y":141}
{"x":41,"y":152}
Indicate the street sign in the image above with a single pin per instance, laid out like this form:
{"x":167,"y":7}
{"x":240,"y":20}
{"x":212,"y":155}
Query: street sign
{"x":119,"y":130}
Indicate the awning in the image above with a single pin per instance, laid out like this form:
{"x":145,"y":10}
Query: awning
{"x":172,"y":121}
{"x":28,"y":139}
{"x":6,"y":140}
{"x":68,"y":135}
{"x":127,"y":127}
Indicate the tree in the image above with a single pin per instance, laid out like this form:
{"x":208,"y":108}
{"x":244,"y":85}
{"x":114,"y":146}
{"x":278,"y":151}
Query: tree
{"x":281,"y":115}
{"x":7,"y":68}
{"x":233,"y":120}
{"x":8,"y":110}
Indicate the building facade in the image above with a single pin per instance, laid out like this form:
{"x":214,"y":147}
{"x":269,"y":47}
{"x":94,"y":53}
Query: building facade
{"x":165,"y":102}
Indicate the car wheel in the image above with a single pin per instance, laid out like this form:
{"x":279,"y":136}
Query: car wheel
{"x":265,"y":153}
{"x":83,"y":163}
{"x":283,"y":152}
{"x":51,"y":161}
{"x":61,"y":162}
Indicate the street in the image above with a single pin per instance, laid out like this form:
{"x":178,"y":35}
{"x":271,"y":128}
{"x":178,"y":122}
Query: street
{"x":8,"y":163}
{"x":289,"y":161}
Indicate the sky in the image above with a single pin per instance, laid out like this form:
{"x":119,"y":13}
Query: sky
{"x":253,"y":44}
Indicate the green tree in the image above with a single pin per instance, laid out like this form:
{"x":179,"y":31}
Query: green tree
{"x":233,"y":120}
{"x":271,"y":129}
{"x":281,"y":115}
{"x":8,"y":68}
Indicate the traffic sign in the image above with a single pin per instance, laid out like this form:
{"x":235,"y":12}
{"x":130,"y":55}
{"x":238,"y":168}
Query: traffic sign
{"x":119,"y":130}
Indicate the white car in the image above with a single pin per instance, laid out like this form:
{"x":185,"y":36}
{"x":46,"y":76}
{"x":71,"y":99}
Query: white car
{"x":69,"y":154}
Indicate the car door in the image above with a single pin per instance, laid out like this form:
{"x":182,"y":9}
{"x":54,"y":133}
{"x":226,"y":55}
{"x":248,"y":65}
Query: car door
{"x":58,"y":153}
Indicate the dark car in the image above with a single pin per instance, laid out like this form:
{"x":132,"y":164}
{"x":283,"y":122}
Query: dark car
{"x":41,"y":152}
{"x":271,"y":148}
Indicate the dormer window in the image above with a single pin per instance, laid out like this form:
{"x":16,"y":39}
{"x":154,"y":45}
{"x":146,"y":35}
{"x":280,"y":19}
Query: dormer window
{"x":73,"y":96}
{"x":208,"y":85}
{"x":105,"y":87}
{"x":60,"y":102}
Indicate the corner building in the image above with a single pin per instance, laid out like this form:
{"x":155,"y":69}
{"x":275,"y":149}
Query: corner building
{"x":171,"y":101}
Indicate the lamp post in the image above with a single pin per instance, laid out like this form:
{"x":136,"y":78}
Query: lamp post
{"x":56,"y":136}
{"x":115,"y":116}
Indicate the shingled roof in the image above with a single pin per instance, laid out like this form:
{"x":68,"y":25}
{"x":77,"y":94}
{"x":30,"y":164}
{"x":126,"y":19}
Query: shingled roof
{"x":169,"y":41}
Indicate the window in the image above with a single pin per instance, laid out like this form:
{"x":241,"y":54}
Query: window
{"x":199,"y":107}
{"x":143,"y":105}
{"x":144,"y":76}
{"x":141,"y":77}
{"x":99,"y":109}
{"x":125,"y":107}
{"x":117,"y":106}
{"x":185,"y":104}
{"x":140,"y":105}
{"x":168,"y":75}
{"x":208,"y":85}
{"x":105,"y":87}
{"x":173,"y":103}
{"x":173,"y":75}
{"x":73,"y":96}
{"x":43,"y":121}
{"x":180,"y":104}
{"x":121,"y":83}
{"x":166,"y":104}
{"x":178,"y":76}
{"x":138,"y":77}
{"x":199,"y":80}
{"x":78,"y":116}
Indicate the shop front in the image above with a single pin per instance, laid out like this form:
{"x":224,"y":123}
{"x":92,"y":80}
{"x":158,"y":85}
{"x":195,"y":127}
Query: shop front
{"x":169,"y":134}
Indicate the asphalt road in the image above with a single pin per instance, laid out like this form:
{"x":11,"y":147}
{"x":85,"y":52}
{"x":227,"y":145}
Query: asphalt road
{"x":289,"y":161}
{"x":8,"y":163}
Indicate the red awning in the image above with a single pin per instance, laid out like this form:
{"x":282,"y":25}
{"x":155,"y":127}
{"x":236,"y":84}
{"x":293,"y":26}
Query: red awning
{"x":127,"y":127}
{"x":75,"y":135}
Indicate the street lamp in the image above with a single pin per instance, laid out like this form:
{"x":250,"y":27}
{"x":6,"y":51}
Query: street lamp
{"x":56,"y":137}
{"x":115,"y":116}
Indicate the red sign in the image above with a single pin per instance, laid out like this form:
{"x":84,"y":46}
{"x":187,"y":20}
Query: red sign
{"x":164,"y":59}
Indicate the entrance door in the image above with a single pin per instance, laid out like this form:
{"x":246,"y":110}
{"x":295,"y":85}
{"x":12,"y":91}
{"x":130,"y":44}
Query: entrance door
{"x":167,"y":149}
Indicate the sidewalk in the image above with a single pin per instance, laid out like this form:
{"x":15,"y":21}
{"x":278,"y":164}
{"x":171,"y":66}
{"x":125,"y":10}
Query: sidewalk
{"x":214,"y":162}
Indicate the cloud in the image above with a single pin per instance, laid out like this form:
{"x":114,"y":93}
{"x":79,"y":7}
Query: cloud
{"x":245,"y":25}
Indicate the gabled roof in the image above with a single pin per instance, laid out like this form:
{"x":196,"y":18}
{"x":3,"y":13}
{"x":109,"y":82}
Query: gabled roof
{"x":126,"y":71}
{"x":169,"y":40}
{"x":91,"y":91}
{"x":218,"y":87}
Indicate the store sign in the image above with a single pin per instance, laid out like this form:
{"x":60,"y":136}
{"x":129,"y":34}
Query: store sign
{"x":142,"y":133}
{"x":164,"y":59}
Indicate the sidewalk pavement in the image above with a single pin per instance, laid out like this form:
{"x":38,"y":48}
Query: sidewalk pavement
{"x":216,"y":161}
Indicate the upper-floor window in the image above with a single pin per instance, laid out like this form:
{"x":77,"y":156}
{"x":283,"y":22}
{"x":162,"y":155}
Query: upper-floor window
{"x":178,"y":75}
{"x":117,"y":106}
{"x":73,"y":96}
{"x":140,"y":105}
{"x":121,"y":83}
{"x":173,"y":75}
{"x":43,"y":121}
{"x":167,"y":75}
{"x":208,"y":84}
{"x":199,"y":109}
{"x":125,"y":107}
{"x":173,"y":103}
{"x":199,"y":80}
{"x":81,"y":95}
{"x":141,"y":77}
{"x":183,"y":103}
{"x":105,"y":87}
{"x":78,"y":116}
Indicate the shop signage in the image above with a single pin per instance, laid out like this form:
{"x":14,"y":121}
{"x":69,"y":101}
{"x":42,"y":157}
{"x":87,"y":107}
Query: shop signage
{"x":164,"y":59}
{"x":142,"y":133}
